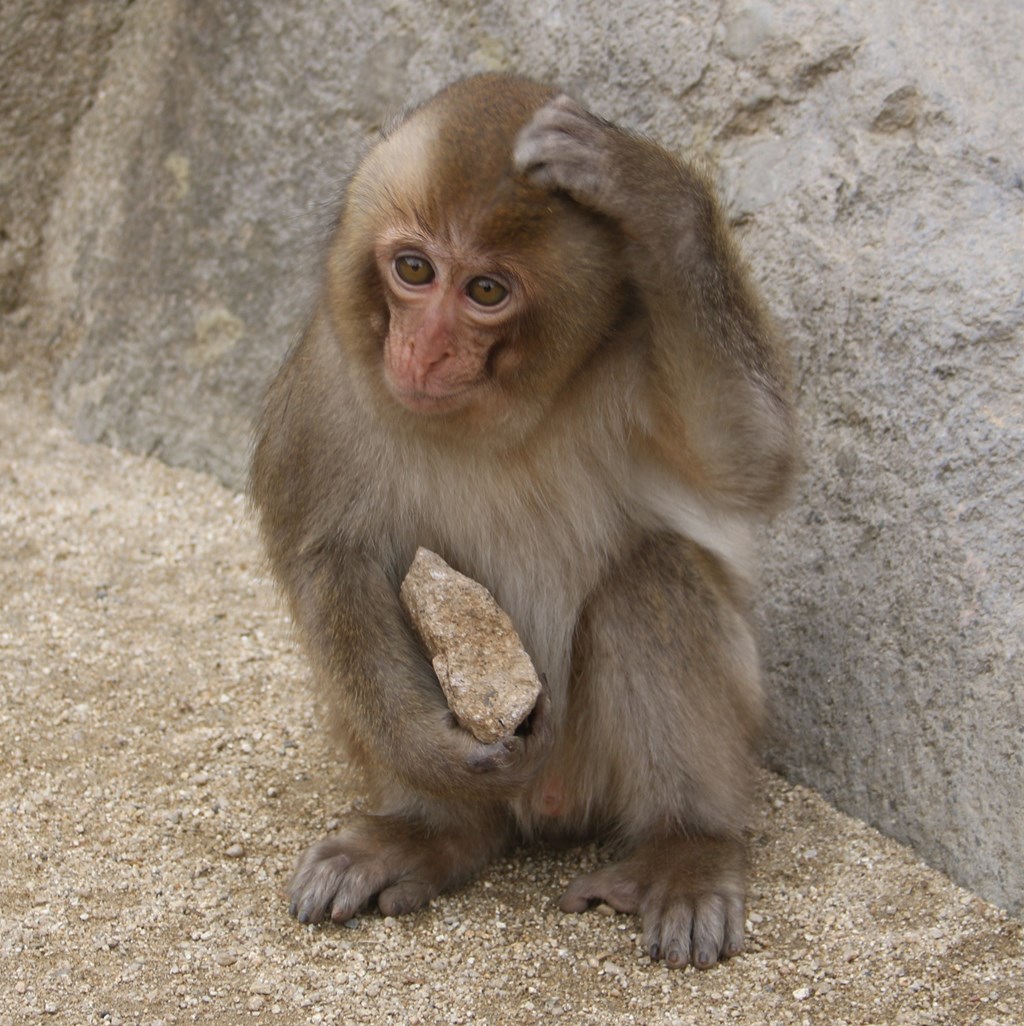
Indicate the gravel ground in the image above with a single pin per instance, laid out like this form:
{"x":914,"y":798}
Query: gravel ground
{"x":163,"y":765}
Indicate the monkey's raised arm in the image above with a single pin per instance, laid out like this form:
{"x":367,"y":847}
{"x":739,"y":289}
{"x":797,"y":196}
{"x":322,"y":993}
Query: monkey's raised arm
{"x":719,"y":415}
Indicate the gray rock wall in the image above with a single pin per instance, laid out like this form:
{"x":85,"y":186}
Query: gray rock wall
{"x":872,"y":157}
{"x":52,"y":54}
{"x":52,"y":57}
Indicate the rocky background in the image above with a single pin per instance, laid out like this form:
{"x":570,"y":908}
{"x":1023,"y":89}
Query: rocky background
{"x":167,"y":168}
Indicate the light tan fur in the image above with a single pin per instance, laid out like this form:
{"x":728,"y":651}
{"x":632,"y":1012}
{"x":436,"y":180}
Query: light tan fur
{"x":597,"y":451}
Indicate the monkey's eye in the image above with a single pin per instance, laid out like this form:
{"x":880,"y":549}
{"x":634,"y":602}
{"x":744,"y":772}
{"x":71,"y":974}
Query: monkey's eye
{"x":486,"y":291}
{"x":414,"y":270}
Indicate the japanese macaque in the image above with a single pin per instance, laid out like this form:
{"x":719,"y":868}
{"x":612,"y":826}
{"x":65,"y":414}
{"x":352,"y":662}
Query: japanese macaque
{"x":536,"y":353}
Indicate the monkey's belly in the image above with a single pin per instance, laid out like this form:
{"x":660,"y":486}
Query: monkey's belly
{"x":555,"y":812}
{"x":549,"y":797}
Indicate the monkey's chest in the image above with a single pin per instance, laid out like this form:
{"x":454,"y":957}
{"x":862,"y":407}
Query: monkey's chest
{"x":538,"y":537}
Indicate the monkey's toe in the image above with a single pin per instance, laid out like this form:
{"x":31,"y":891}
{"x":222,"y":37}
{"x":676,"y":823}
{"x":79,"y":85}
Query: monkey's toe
{"x":609,"y":884}
{"x":330,"y":882}
{"x":685,"y":928}
{"x":405,"y":897}
{"x":688,"y":893}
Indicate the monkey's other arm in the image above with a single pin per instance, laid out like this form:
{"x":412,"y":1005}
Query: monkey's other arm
{"x":440,"y":812}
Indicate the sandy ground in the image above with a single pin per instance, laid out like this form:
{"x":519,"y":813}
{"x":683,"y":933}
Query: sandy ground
{"x":162,"y":766}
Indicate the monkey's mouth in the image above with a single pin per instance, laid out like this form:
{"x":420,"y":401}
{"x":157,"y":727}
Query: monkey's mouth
{"x":432,"y":404}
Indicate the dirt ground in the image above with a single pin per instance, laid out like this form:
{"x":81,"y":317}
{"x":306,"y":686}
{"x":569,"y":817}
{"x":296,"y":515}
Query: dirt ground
{"x":162,"y":766}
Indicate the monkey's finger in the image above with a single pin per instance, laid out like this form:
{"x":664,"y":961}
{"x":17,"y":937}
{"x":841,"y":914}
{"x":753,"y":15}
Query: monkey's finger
{"x":313,"y":889}
{"x":355,"y":887}
{"x":498,"y":755}
{"x":667,"y":931}
{"x":735,"y":916}
{"x":540,"y":732}
{"x":561,"y":117}
{"x":561,"y":148}
{"x":609,"y":885}
{"x":345,"y":907}
{"x":650,"y":908}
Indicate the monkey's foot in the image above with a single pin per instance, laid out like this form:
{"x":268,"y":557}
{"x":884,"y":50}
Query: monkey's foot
{"x":688,"y":893}
{"x":391,"y":859}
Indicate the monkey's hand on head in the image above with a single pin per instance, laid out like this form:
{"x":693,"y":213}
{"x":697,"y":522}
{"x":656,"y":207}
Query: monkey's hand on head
{"x":624,"y":176}
{"x":566,"y":147}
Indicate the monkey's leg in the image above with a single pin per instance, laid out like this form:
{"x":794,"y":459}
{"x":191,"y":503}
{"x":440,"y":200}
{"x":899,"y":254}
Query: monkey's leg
{"x":402,"y":862}
{"x":667,"y":673}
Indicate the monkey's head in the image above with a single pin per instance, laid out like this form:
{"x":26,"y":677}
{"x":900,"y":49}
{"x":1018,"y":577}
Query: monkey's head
{"x":460,"y":291}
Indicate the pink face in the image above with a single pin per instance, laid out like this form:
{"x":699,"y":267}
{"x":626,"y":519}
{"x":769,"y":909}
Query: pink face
{"x":447,"y":313}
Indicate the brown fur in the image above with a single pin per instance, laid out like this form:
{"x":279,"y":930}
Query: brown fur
{"x":626,"y":428}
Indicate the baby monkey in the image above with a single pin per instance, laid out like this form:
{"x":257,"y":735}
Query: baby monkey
{"x":536,"y":353}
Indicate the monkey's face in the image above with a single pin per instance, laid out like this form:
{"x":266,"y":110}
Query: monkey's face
{"x":463,"y":292}
{"x":450,"y":310}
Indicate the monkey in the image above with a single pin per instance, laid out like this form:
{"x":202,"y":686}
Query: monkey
{"x":535,"y":351}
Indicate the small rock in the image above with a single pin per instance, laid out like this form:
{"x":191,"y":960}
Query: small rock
{"x":236,"y":851}
{"x":900,"y":110}
{"x":487,"y":677}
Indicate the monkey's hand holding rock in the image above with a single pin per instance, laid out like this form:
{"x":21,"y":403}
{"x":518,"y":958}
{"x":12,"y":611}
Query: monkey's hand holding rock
{"x":484,"y":672}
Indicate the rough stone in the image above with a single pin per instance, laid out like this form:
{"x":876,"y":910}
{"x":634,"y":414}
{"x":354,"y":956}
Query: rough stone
{"x":485,"y":673}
